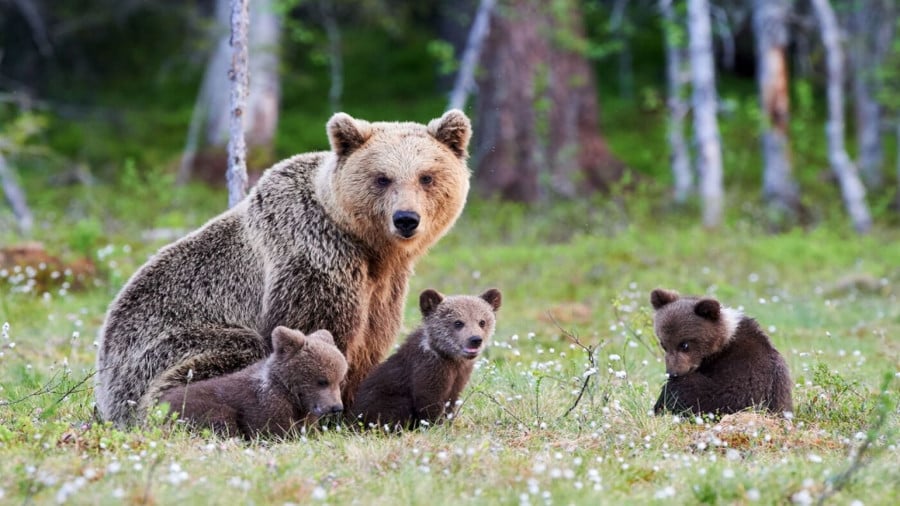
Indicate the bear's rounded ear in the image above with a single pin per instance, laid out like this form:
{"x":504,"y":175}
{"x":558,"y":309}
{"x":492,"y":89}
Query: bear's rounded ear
{"x":493,"y":297}
{"x":708,"y":308}
{"x":284,"y":339}
{"x":453,"y":130}
{"x":347,"y":134}
{"x":661,"y":297}
{"x":429,"y":300}
{"x":322,"y":335}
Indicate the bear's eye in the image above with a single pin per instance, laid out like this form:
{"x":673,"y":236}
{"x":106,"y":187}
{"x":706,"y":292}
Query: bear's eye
{"x":481,"y":323}
{"x":459,"y":324}
{"x":322,"y":382}
{"x":425,"y":180}
{"x":383,"y":181}
{"x":684,"y":346}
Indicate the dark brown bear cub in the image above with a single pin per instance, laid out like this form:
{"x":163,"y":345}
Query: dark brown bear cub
{"x":717,"y":359}
{"x":299,"y":382}
{"x":422,"y":381}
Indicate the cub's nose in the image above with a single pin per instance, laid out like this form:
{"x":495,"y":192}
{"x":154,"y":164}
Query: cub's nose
{"x":406,"y":222}
{"x":335,"y":409}
{"x":475,"y":342}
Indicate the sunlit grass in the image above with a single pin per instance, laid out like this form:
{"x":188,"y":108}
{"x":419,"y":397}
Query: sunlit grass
{"x":827,"y":297}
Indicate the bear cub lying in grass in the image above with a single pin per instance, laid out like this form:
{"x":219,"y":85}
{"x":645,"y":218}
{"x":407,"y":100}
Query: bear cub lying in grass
{"x":422,"y":381}
{"x":298,"y":383}
{"x":718,"y":360}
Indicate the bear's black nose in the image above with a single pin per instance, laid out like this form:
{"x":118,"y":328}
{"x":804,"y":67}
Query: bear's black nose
{"x":475,"y":342}
{"x":337,"y":408}
{"x":406,"y":222}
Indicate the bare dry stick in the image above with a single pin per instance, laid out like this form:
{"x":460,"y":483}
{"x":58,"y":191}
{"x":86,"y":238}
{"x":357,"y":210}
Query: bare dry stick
{"x":592,"y":360}
{"x":237,"y":147}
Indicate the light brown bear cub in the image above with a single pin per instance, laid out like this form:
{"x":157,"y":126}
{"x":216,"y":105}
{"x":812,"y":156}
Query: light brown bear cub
{"x":423,"y":379}
{"x":298,"y":383}
{"x":717,"y":359}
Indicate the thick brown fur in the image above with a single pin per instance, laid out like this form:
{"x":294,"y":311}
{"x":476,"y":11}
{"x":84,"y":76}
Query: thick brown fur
{"x":718,"y":360}
{"x":298,"y":383}
{"x":324,"y":241}
{"x":423,"y":379}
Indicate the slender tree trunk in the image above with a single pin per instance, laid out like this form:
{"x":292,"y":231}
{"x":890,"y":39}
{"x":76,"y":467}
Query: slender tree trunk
{"x":264,"y":92}
{"x":209,"y":130}
{"x":770,"y":25}
{"x":237,"y":148}
{"x":465,"y":78}
{"x":872,"y":23}
{"x":618,"y":25}
{"x":678,"y":109}
{"x":852,"y":189}
{"x":706,"y":126}
{"x":335,"y":53}
{"x":16,"y":197}
{"x":537,"y":107}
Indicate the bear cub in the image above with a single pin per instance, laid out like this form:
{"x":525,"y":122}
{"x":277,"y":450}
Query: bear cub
{"x":423,"y":379}
{"x":298,"y":383}
{"x":718,"y":360}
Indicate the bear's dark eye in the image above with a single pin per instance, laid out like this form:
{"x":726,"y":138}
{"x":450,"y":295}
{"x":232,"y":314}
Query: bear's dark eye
{"x":383,"y":181}
{"x":425,"y":180}
{"x":459,"y":324}
{"x":481,"y":323}
{"x":322,"y":382}
{"x":684,"y":346}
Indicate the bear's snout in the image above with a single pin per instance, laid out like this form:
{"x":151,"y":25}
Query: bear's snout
{"x":475,"y":342}
{"x":406,"y":222}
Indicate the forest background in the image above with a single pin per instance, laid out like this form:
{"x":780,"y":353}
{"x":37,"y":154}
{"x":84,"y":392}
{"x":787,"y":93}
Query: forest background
{"x":742,"y":149}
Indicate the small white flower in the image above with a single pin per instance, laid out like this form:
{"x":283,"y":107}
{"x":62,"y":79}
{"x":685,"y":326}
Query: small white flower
{"x":665,"y":493}
{"x":753,"y":494}
{"x":614,"y":357}
{"x":814,"y":458}
{"x":319,"y":494}
{"x":802,"y":497}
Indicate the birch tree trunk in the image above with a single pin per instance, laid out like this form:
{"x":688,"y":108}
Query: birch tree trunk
{"x":335,"y":53}
{"x":465,"y":78}
{"x":679,"y":156}
{"x":853,"y":192}
{"x":872,"y":25}
{"x":237,"y":148}
{"x":706,"y":126}
{"x":16,"y":197}
{"x":770,"y":25}
{"x":210,"y":121}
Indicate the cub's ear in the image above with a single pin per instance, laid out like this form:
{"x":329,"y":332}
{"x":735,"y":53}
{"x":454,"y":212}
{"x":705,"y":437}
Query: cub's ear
{"x":346,"y":134}
{"x":284,"y":339}
{"x":493,"y":297}
{"x":453,"y":130}
{"x":708,"y":308}
{"x":322,"y":335}
{"x":661,"y":297}
{"x":429,"y":301}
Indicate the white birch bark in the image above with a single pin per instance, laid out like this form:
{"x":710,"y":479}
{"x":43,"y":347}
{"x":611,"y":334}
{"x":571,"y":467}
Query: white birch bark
{"x":854,"y":194}
{"x":678,"y":109}
{"x":237,"y":148}
{"x":465,"y":77}
{"x":706,"y":126}
{"x":770,"y":25}
{"x":16,"y":197}
{"x":264,"y":92}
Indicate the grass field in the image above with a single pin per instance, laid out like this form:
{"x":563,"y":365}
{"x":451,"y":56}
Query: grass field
{"x":523,"y":436}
